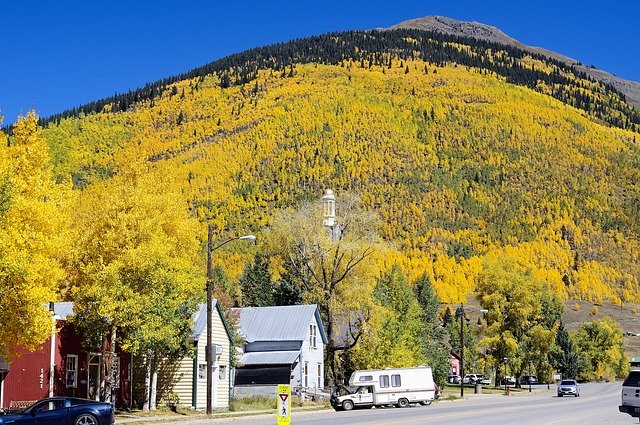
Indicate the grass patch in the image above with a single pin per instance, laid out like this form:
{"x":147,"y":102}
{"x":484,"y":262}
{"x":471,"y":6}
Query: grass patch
{"x":245,"y":404}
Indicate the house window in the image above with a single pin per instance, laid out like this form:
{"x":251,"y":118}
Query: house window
{"x":202,"y":371}
{"x":384,"y":381}
{"x":72,"y":371}
{"x":395,"y":381}
{"x":319,"y":375}
{"x":222,"y":371}
{"x":306,"y":374}
{"x":313,"y":329}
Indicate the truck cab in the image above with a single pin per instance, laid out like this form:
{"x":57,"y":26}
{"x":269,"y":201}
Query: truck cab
{"x":630,"y":402}
{"x":349,"y":398}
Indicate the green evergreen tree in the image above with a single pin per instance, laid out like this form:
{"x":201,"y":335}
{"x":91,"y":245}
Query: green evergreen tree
{"x":447,"y":318}
{"x":433,"y":335}
{"x":566,"y":359}
{"x":256,"y":285}
{"x":287,"y":293}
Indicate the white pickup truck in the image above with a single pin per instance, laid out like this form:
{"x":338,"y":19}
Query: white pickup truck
{"x":631,"y":394}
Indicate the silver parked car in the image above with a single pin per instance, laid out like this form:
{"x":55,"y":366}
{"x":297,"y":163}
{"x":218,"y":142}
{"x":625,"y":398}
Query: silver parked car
{"x":569,"y":387}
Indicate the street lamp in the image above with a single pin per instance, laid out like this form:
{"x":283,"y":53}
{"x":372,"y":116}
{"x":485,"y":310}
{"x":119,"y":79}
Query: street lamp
{"x":460,"y":312}
{"x":209,"y":354}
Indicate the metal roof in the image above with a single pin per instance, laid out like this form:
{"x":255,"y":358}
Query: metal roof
{"x":269,"y":358}
{"x":63,"y":310}
{"x":280,"y":323}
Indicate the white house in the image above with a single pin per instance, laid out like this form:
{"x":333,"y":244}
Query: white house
{"x":188,"y":377}
{"x":284,"y":345}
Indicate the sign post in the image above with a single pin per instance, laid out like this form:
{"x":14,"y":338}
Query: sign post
{"x":284,"y":404}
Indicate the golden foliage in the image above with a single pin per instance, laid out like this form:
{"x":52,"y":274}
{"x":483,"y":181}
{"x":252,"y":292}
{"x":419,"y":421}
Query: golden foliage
{"x":457,"y":162}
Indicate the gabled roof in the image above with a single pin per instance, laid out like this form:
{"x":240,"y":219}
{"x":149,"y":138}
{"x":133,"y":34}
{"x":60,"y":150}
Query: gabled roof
{"x":200,"y":320}
{"x":280,"y":323}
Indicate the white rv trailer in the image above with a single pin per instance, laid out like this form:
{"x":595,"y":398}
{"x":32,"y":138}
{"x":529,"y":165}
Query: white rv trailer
{"x":384,"y":387}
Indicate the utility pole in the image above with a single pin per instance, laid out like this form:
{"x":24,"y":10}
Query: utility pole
{"x":209,"y":349}
{"x":461,"y":350}
{"x":208,"y":355}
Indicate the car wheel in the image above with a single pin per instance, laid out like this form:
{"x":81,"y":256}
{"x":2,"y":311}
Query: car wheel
{"x":347,"y":405}
{"x":86,"y":419}
{"x":426,"y":402}
{"x":403,"y":402}
{"x":559,"y":395}
{"x":576,"y":395}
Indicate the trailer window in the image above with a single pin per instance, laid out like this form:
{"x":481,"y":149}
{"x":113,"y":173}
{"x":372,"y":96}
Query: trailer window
{"x":384,"y":381}
{"x":366,"y":378}
{"x":395,"y":381}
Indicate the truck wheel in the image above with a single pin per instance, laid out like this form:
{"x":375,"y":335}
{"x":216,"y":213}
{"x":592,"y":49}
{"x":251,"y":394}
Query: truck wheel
{"x":426,"y":402}
{"x":347,"y":405}
{"x":403,"y":402}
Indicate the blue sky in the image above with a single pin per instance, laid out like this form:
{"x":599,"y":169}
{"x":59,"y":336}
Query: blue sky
{"x":55,"y":55}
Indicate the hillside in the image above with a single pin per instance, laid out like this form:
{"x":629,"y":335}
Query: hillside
{"x":462,"y":149}
{"x":631,"y":89}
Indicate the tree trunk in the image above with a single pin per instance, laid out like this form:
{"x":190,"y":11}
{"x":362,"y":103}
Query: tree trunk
{"x":154,"y":384}
{"x":109,"y":384}
{"x":147,"y":382}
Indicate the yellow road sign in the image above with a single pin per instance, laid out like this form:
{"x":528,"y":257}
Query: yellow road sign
{"x":284,"y":404}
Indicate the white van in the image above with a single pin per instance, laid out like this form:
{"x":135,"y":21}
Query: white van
{"x":385,"y":387}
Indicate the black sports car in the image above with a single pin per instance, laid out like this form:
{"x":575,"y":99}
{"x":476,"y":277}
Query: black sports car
{"x":63,"y":411}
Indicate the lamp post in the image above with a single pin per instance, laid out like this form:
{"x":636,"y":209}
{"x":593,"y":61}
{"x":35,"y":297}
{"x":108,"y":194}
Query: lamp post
{"x":209,"y":355}
{"x":461,"y":313}
{"x":504,"y":361}
{"x":461,"y":310}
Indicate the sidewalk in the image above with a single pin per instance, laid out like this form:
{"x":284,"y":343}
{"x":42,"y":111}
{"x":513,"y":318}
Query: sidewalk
{"x":192,"y":417}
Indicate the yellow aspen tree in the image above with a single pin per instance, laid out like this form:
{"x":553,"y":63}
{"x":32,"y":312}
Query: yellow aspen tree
{"x":33,"y":235}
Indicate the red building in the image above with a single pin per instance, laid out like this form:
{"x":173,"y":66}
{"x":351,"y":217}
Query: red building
{"x":62,"y":366}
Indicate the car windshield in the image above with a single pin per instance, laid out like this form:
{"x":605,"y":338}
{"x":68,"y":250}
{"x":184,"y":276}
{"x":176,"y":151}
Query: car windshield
{"x":568,"y":382}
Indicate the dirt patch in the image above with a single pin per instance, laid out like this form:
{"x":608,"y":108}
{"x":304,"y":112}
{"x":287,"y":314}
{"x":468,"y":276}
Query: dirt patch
{"x":627,"y":315}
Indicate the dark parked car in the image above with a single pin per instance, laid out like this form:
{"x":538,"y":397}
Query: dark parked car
{"x":528,"y":379}
{"x":63,"y":411}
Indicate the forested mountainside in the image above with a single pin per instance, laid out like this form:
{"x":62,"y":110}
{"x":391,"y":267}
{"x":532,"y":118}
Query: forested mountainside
{"x":537,"y":71}
{"x":630,"y":89}
{"x":462,"y":147}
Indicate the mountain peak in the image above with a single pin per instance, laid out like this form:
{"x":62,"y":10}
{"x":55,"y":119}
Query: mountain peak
{"x":630,"y":89}
{"x":459,"y":28}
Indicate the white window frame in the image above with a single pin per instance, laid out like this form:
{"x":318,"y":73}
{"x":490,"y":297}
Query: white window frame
{"x":72,"y":360}
{"x":313,"y":331}
{"x":384,"y":381}
{"x":395,"y":381}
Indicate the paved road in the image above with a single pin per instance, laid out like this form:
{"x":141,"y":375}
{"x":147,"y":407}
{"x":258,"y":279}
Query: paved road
{"x":598,"y":404}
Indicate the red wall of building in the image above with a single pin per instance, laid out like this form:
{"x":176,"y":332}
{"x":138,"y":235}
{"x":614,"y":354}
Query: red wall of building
{"x":28,"y":376}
